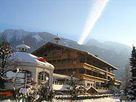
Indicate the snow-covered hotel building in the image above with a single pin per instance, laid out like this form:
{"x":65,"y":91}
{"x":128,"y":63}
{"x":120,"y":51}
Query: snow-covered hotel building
{"x":90,"y":69}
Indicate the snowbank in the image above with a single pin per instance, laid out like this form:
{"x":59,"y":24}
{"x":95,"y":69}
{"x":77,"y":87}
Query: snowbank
{"x":87,"y":100}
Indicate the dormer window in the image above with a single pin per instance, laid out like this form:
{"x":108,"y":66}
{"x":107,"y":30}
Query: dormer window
{"x":22,"y":48}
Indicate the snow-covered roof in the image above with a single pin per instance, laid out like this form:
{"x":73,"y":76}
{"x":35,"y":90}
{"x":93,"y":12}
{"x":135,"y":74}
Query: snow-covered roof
{"x":28,"y":58}
{"x":23,"y":46}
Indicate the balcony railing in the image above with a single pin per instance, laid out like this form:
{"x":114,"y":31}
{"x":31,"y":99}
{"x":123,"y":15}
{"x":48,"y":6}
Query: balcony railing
{"x":86,"y":76}
{"x":98,"y":69}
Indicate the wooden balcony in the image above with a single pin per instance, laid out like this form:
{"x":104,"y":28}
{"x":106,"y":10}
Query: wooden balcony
{"x":93,"y":68}
{"x":91,"y":78}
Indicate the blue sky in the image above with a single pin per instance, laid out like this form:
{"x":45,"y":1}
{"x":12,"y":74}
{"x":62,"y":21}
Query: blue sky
{"x":68,"y":17}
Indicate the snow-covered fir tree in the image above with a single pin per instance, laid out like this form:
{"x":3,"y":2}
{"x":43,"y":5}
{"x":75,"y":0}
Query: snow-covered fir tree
{"x":132,"y":91}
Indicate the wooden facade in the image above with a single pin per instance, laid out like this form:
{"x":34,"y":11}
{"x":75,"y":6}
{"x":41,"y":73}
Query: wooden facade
{"x":90,"y":69}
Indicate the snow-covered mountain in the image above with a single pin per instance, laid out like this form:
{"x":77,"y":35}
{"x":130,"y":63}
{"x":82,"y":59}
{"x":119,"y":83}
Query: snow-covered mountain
{"x":109,"y":45}
{"x":14,"y":34}
{"x":33,"y":39}
{"x":114,"y":53}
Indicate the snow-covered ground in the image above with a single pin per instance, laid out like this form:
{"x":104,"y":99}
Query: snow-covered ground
{"x":103,"y":100}
{"x":92,"y":100}
{"x":86,"y":100}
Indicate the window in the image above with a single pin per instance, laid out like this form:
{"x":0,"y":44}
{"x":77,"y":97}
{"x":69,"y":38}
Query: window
{"x":43,"y":77}
{"x":82,"y":71}
{"x":88,"y":84}
{"x":22,"y":77}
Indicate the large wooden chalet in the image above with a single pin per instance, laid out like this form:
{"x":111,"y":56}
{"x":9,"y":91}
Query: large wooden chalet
{"x":90,"y":69}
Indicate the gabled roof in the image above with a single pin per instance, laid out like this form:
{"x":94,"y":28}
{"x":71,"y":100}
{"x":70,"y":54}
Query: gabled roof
{"x":84,"y":52}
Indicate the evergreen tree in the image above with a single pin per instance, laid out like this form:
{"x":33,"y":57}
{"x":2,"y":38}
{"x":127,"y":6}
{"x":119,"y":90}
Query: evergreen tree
{"x":132,"y":91}
{"x":5,"y":51}
{"x":73,"y":87}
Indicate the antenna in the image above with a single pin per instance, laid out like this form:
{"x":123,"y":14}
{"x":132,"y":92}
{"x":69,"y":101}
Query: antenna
{"x":57,"y":39}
